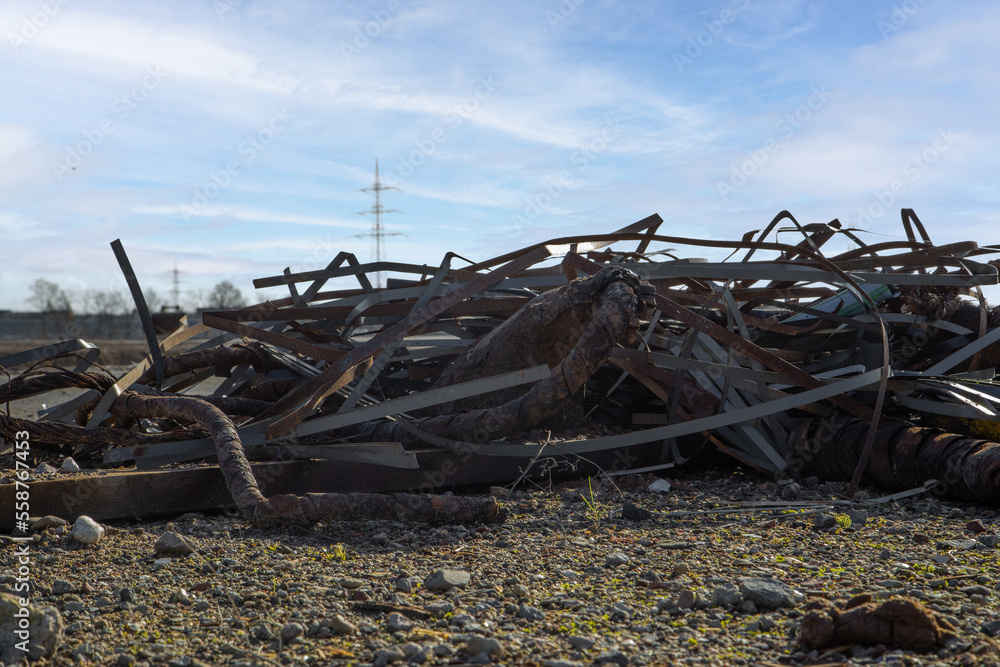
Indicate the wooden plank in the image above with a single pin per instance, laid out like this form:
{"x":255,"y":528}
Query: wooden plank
{"x":130,"y":494}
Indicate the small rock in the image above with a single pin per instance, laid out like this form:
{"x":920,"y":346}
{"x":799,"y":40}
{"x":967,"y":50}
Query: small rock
{"x":530,"y":613}
{"x":440,"y":608}
{"x":380,"y":538}
{"x":616,"y":559}
{"x":488,"y":645}
{"x":992,"y":628}
{"x":687,"y":599}
{"x":823,"y":521}
{"x":681,"y":568}
{"x":976,"y":526}
{"x":561,"y":663}
{"x":87,"y":531}
{"x":44,"y":630}
{"x":407,"y":584}
{"x":445,"y":580}
{"x":633,"y":512}
{"x":617,"y":657}
{"x":61,"y":587}
{"x":342,"y":626}
{"x":726,"y":595}
{"x":858,"y":517}
{"x":581,"y":643}
{"x":832,"y":488}
{"x":69,"y":465}
{"x":384,"y":656}
{"x":791,"y":492}
{"x":351,"y":584}
{"x":920,"y":538}
{"x":991,"y":541}
{"x":660,"y":486}
{"x":861,"y":495}
{"x":768,"y":594}
{"x":181,"y":597}
{"x":172,"y":543}
{"x":48,"y":522}
{"x":44,"y":469}
{"x":519,"y":591}
{"x":290,"y":631}
{"x":396,"y":622}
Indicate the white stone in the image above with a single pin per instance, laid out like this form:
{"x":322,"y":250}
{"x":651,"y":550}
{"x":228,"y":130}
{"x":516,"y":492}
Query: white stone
{"x":69,"y":465}
{"x":87,"y":531}
{"x":660,"y":486}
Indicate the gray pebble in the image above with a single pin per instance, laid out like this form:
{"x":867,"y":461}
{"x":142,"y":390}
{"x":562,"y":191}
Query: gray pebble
{"x":687,"y":599}
{"x":580,"y":642}
{"x":530,"y":613}
{"x":858,"y":517}
{"x":616,"y":559}
{"x":290,"y":631}
{"x":47,"y":522}
{"x":768,"y":594}
{"x":61,"y":587}
{"x":407,"y":584}
{"x":726,"y":595}
{"x":616,"y":657}
{"x":172,"y":543}
{"x":440,"y":608}
{"x":399,"y":623}
{"x":445,"y":580}
{"x":488,"y":645}
{"x":791,"y":492}
{"x":342,"y":626}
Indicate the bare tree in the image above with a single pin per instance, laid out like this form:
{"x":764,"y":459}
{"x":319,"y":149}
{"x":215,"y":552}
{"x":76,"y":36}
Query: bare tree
{"x":47,"y":297}
{"x":51,"y":301}
{"x":225,"y":296}
{"x":109,"y":310}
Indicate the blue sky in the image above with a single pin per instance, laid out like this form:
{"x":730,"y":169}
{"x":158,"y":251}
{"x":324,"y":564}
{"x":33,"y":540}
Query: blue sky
{"x":231,"y":138}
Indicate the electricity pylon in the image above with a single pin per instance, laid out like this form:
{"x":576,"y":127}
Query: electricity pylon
{"x":378,"y":232}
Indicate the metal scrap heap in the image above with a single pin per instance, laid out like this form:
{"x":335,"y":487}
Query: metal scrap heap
{"x":875,"y":365}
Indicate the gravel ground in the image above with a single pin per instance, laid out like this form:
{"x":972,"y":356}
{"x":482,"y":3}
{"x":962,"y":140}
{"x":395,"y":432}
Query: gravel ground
{"x":565,"y":581}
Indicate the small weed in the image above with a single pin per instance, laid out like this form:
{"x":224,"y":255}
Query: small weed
{"x":594,"y":512}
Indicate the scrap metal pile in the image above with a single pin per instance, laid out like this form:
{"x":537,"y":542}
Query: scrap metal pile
{"x":615,"y":351}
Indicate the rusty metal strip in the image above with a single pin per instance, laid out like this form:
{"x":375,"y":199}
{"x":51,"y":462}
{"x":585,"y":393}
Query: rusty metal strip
{"x":220,"y":320}
{"x":126,"y":381}
{"x":312,"y":391}
{"x":252,"y":435}
{"x":64,"y":348}
{"x":961,"y":355}
{"x":140,"y":306}
{"x":384,"y":355}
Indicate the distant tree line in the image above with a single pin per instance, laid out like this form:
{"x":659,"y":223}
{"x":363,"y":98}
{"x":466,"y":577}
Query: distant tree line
{"x":110,"y":313}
